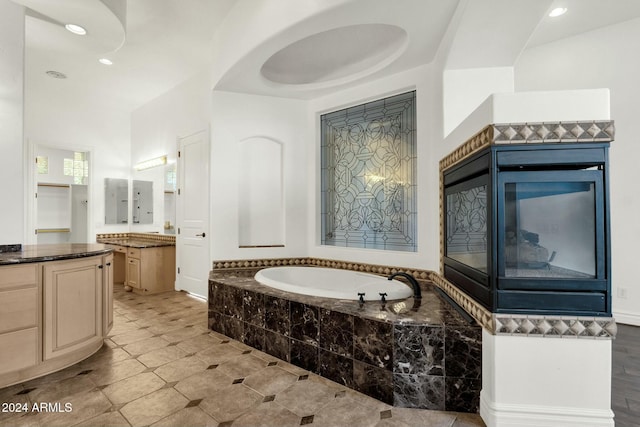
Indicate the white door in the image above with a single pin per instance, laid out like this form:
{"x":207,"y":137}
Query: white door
{"x":192,"y":205}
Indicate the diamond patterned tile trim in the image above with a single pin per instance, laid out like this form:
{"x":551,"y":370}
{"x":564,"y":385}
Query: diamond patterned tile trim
{"x":554,"y":132}
{"x":532,"y":133}
{"x":555,"y":326}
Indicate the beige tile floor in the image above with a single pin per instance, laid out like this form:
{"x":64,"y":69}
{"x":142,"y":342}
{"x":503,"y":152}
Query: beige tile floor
{"x":160,"y":366}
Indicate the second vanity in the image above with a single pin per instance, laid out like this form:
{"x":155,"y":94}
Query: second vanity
{"x":144,"y":262}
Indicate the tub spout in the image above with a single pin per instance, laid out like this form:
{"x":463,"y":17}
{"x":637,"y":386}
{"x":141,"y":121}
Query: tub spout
{"x":417,"y":293}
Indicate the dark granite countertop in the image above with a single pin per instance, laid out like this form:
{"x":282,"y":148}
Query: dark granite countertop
{"x":432,"y":310}
{"x":136,"y":243}
{"x":53,"y":252}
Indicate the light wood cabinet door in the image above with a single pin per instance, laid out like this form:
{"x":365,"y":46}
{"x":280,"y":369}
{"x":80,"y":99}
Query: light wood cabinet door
{"x":108,"y":279}
{"x":133,"y":273}
{"x":72,"y":305}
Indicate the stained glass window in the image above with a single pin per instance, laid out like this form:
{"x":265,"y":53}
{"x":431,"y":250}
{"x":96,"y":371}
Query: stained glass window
{"x":368,"y":167}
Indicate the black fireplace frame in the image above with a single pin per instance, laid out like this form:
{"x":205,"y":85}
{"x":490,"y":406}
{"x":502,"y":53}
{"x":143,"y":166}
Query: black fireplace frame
{"x":500,"y":164}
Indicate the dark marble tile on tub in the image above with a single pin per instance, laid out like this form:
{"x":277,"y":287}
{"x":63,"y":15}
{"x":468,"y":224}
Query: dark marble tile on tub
{"x":462,"y":394}
{"x":253,"y":308}
{"x":233,"y":328}
{"x":336,"y":368}
{"x":373,"y":342}
{"x":305,"y":325}
{"x":216,"y":296}
{"x":253,"y":336}
{"x":276,"y":345}
{"x":418,"y":350}
{"x":372,"y":381}
{"x":419,"y":391}
{"x":233,"y":302}
{"x":463,"y":356}
{"x":304,"y":355}
{"x":276,"y":315}
{"x":336,"y":332}
{"x":216,"y":322}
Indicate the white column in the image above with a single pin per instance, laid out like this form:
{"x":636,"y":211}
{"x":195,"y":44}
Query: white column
{"x":545,"y":381}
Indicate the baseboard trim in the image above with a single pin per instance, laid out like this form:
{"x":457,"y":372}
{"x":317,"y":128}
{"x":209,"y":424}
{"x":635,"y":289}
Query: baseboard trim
{"x":627,"y":318}
{"x":510,"y":415}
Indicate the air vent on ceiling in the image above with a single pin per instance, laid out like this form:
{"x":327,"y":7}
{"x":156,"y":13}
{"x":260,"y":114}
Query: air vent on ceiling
{"x":56,"y":74}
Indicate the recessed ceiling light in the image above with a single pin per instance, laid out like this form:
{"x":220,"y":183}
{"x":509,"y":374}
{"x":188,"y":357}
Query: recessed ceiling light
{"x":76,"y":29}
{"x":56,"y":74}
{"x":105,"y":61}
{"x":557,"y":12}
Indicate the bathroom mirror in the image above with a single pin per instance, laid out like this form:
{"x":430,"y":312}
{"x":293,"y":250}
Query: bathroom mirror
{"x":116,"y":201}
{"x":170,"y":199}
{"x":142,"y":207}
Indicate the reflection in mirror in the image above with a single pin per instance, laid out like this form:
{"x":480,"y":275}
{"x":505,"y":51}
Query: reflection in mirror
{"x":142,"y":208}
{"x":116,"y":202}
{"x":170,"y":199}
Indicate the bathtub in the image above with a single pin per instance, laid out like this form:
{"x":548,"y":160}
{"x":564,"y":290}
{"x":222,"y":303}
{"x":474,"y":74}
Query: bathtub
{"x":332,"y":283}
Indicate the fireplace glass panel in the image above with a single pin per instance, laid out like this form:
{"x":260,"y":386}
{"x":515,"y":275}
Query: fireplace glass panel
{"x":467,"y":227}
{"x":550,"y":229}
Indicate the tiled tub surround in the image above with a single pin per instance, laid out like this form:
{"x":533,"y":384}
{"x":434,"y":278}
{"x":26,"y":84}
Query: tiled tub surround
{"x":424,"y":357}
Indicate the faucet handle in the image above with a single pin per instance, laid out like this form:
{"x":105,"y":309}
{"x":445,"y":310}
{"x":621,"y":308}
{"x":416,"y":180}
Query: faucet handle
{"x":383,"y":295}
{"x":361,"y":295}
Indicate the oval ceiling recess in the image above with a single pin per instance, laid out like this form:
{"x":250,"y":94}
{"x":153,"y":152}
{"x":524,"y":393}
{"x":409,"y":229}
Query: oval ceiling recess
{"x":335,"y":54}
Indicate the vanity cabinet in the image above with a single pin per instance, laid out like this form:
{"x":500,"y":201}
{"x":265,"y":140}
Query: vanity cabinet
{"x":53,"y":314}
{"x":148,"y":270}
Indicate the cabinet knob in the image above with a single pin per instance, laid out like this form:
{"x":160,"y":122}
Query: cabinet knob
{"x":100,"y":266}
{"x":108,"y":264}
{"x":201,"y":235}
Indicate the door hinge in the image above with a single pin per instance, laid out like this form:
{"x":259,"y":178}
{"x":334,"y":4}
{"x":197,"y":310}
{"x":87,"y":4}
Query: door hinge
{"x":178,"y":270}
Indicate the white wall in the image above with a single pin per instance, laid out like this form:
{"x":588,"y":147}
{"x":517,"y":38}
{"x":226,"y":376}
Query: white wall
{"x":235,"y":118}
{"x":465,"y":89}
{"x":419,"y":79}
{"x":155,"y":127}
{"x":11,"y":122}
{"x":603,"y":59}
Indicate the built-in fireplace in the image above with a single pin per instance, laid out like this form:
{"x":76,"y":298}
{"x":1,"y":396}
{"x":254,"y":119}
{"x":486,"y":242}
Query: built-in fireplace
{"x":525,"y":221}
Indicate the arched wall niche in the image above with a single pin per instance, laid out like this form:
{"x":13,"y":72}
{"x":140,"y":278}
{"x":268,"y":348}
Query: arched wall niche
{"x":260,"y":193}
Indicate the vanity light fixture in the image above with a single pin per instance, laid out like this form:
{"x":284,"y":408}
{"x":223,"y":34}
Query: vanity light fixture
{"x":557,"y":12}
{"x":105,"y":61}
{"x":158,"y":161}
{"x":76,"y":29}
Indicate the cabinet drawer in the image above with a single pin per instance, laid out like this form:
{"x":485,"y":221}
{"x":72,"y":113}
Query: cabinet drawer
{"x":19,"y":350}
{"x":133,"y":252}
{"x":18,"y":276}
{"x":18,"y":309}
{"x":117,"y":248}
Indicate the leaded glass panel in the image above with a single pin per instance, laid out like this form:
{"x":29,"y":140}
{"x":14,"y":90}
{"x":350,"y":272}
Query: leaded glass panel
{"x":368,"y":156}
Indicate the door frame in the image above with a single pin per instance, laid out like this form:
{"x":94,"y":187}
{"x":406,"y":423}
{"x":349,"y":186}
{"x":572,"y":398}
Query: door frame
{"x":31,"y":189}
{"x":179,"y":212}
